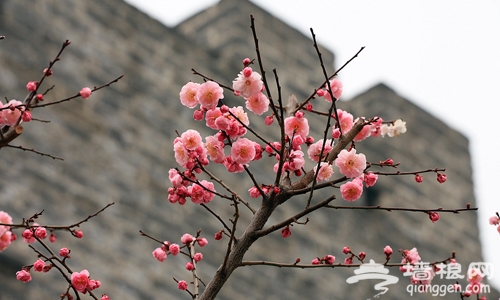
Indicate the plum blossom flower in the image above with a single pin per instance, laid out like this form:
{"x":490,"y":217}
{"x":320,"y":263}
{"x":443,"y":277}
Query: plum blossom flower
{"x":160,"y":254}
{"x":23,"y":276}
{"x":433,"y":216}
{"x":80,"y":280}
{"x":258,"y":103}
{"x":286,"y":232}
{"x":315,"y":150}
{"x":38,"y":265}
{"x":5,"y":233}
{"x":388,"y":250}
{"x":329,"y":259}
{"x":215,"y":149}
{"x":325,"y":171}
{"x":370,"y":179}
{"x":296,"y":126}
{"x":191,"y":139}
{"x":85,"y":93}
{"x":174,"y":249}
{"x":247,"y":86}
{"x":197,"y":257}
{"x":209,"y":94}
{"x":202,"y":195}
{"x":11,"y":116}
{"x":493,"y":220}
{"x":351,"y":164}
{"x":188,"y":94}
{"x":337,"y":88}
{"x":31,"y":86}
{"x":352,"y":190}
{"x":182,"y":285}
{"x":243,"y":151}
{"x":202,"y":242}
{"x":187,"y":238}
{"x":364,"y":133}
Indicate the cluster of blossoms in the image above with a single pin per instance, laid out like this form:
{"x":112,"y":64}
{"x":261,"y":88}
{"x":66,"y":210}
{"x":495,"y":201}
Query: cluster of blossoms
{"x":348,"y":260}
{"x":411,"y":258}
{"x":231,"y":123}
{"x":81,"y":282}
{"x":12,"y":112}
{"x":6,"y":236}
{"x":494,"y":220}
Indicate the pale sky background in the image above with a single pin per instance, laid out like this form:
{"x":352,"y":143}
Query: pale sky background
{"x":442,"y":55}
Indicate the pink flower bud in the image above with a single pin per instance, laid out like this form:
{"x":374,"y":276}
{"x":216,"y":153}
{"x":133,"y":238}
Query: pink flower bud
{"x":78,"y":234}
{"x":309,"y":107}
{"x":41,"y":232}
{"x":346,"y":250}
{"x":187,"y":238}
{"x":202,"y":242}
{"x":433,"y":216}
{"x":23,"y":276}
{"x":286,"y":232}
{"x":247,"y":72}
{"x":198,"y":115}
{"x":27,"y":234}
{"x":348,"y":261}
{"x":329,"y":259}
{"x":174,"y":249}
{"x":387,"y":251}
{"x":269,"y":120}
{"x":315,"y":261}
{"x":38,"y":265}
{"x":182,"y":285}
{"x":64,"y":252}
{"x":26,"y":116}
{"x":441,"y":178}
{"x":388,"y":162}
{"x":105,"y":297}
{"x":419,"y":178}
{"x":47,"y":268}
{"x":159,"y":254}
{"x":494,"y":220}
{"x":246,"y":61}
{"x":189,"y":266}
{"x":47,"y":72}
{"x":299,"y":114}
{"x":165,"y":246}
{"x":336,"y":133}
{"x":31,"y":86}
{"x":85,"y":92}
{"x":218,"y":236}
{"x":197,"y":257}
{"x":320,"y":92}
{"x":362,"y":255}
{"x":39,"y":97}
{"x":276,"y":189}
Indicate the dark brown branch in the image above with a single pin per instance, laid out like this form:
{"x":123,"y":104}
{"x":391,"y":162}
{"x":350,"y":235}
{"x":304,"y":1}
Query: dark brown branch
{"x":390,"y":209}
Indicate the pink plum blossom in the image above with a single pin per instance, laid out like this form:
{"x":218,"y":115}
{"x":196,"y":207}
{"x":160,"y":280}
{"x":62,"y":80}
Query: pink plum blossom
{"x":370,"y":179}
{"x":23,"y":276}
{"x":233,"y":166}
{"x":63,"y":252}
{"x":441,"y":178}
{"x":296,"y":126}
{"x":258,"y":103}
{"x":352,"y":190}
{"x":433,"y":216}
{"x":211,"y":116}
{"x":346,"y":120}
{"x":187,"y":238}
{"x":243,"y":151}
{"x":351,"y":164}
{"x":189,"y":266}
{"x":286,"y":232}
{"x":325,"y":171}
{"x":188,"y":94}
{"x":201,"y":195}
{"x":364,"y":133}
{"x":197,"y":257}
{"x":215,"y":149}
{"x":337,"y":88}
{"x":269,"y":120}
{"x":175,"y":177}
{"x":247,"y":86}
{"x":240,"y":114}
{"x":80,"y":280}
{"x":181,"y":154}
{"x":5,"y":240}
{"x":191,"y":139}
{"x":202,"y":242}
{"x":160,"y":254}
{"x":315,"y":150}
{"x":388,"y":250}
{"x":85,"y":92}
{"x":11,"y":116}
{"x":38,"y":265}
{"x":182,"y":285}
{"x":419,"y":178}
{"x":41,"y":232}
{"x":209,"y":94}
{"x":31,"y":86}
{"x":493,"y":220}
{"x":329,"y":259}
{"x":174,"y":249}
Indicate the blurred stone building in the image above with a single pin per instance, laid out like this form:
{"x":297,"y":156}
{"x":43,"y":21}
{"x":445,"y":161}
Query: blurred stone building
{"x":117,"y":146}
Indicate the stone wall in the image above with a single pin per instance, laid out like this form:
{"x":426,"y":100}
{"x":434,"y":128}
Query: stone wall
{"x":117,"y":146}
